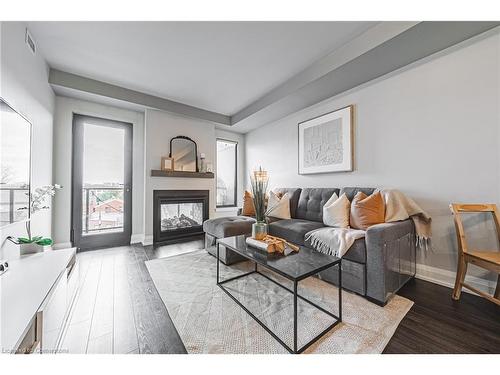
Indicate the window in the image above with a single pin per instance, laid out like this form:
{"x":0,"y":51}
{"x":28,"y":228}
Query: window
{"x":226,"y":173}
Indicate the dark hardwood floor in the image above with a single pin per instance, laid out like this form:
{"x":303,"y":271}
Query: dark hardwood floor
{"x":117,"y":289}
{"x":117,"y":309}
{"x":155,"y":331}
{"x":438,"y":324}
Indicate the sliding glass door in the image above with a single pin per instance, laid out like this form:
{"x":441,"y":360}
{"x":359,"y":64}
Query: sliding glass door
{"x":102,"y":182}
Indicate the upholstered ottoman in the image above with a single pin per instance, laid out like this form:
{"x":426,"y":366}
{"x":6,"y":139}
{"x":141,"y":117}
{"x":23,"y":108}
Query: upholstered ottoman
{"x":226,"y":227}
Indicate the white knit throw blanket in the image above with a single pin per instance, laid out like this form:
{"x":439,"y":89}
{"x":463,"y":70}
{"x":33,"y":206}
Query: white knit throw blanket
{"x":398,"y":207}
{"x":334,"y":241}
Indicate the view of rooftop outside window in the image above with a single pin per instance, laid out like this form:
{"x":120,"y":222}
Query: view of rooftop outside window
{"x":103,"y":176}
{"x":226,"y":173}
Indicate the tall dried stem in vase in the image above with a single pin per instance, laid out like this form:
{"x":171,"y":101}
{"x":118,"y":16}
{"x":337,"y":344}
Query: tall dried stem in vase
{"x":259,"y":181}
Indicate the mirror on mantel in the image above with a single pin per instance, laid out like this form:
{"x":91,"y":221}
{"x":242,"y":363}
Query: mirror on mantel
{"x":184,"y":152}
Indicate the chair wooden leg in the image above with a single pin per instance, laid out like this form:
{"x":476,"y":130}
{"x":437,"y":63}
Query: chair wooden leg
{"x":461,"y":271}
{"x":497,"y":290}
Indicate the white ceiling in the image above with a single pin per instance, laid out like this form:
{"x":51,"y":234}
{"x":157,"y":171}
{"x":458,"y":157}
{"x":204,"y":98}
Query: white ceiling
{"x":217,"y":66}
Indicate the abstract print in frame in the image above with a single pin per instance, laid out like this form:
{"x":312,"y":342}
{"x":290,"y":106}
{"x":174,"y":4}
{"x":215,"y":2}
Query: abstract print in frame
{"x":325,"y":142}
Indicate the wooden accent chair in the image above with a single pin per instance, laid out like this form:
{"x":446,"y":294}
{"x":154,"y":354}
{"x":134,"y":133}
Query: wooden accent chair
{"x":489,"y":260}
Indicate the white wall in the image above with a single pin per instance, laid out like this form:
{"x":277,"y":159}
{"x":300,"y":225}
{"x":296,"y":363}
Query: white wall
{"x":24,"y":85}
{"x":63,"y":123}
{"x":432,"y":131}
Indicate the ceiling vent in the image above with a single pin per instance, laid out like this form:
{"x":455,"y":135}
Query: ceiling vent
{"x":30,"y":42}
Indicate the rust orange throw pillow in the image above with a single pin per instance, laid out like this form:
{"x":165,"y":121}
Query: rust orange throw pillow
{"x":367,"y":210}
{"x":248,"y":206}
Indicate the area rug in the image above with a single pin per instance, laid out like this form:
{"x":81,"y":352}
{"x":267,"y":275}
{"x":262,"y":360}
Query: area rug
{"x":209,"y":321}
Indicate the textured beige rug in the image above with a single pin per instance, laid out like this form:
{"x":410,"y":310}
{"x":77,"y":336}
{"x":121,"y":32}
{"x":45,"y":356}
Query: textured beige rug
{"x":209,"y":321}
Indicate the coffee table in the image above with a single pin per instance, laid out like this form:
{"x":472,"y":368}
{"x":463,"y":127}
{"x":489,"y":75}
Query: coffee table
{"x":294,"y":267}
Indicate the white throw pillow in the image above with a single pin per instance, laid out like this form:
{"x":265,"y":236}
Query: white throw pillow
{"x":278,"y":208}
{"x":336,"y":211}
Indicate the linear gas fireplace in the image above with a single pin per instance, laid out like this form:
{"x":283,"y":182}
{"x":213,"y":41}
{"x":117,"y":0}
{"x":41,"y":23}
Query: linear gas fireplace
{"x":178,"y":214}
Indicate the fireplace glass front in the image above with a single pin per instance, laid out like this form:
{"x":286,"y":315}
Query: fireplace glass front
{"x":180,"y":215}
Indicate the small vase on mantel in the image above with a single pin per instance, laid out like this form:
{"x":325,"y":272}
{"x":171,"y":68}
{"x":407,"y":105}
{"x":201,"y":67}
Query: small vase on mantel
{"x":259,"y":230}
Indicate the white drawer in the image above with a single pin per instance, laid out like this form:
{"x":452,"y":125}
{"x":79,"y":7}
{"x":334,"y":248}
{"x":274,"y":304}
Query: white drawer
{"x":52,"y":314}
{"x":73,"y":282}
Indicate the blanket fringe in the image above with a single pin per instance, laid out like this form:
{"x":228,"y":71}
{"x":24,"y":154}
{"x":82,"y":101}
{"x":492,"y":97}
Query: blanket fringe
{"x":322,"y":247}
{"x":423,"y":243}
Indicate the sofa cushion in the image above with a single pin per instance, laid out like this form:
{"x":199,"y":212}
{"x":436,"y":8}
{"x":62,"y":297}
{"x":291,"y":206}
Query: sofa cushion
{"x":278,"y":207}
{"x":357,"y":252}
{"x":350,"y":192}
{"x":336,"y":211}
{"x":367,"y":210}
{"x":294,"y":194}
{"x":311,"y":202}
{"x":293,"y":230}
{"x":228,"y":226}
{"x":248,"y":206}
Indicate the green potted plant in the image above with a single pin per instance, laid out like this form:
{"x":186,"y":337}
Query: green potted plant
{"x":259,"y":182}
{"x":36,"y":244}
{"x":33,"y":245}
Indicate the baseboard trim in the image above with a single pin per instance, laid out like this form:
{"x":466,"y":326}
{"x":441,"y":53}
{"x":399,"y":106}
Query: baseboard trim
{"x":137,"y":238}
{"x":148,"y":240}
{"x":62,"y":245}
{"x":447,"y":278}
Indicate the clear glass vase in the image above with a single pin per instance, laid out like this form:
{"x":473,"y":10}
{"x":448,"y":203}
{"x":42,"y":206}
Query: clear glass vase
{"x":259,"y":230}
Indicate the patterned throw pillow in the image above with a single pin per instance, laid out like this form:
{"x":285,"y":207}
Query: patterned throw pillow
{"x":336,"y":211}
{"x":367,"y":210}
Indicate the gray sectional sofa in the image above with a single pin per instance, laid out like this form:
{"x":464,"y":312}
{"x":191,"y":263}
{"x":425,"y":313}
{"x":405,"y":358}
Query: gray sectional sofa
{"x":375,"y":266}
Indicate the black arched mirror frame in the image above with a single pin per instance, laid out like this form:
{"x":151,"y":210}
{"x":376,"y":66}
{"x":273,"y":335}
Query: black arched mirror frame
{"x":195,"y":148}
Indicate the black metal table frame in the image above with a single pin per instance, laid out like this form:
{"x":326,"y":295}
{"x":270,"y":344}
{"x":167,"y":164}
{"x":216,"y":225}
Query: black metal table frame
{"x":295,"y":281}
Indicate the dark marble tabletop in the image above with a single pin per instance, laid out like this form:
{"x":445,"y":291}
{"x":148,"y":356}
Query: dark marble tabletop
{"x":296,"y":266}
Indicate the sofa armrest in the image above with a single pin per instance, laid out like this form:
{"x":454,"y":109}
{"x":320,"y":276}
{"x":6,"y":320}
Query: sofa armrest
{"x":386,"y":232}
{"x":390,"y":258}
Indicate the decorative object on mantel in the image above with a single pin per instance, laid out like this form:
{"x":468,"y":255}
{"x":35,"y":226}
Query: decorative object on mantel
{"x":325,"y":143}
{"x":272,"y":244}
{"x":185,"y":153}
{"x":203,"y":165}
{"x":167,"y":163}
{"x":210,"y":168}
{"x":30,"y":245}
{"x":259,"y":181}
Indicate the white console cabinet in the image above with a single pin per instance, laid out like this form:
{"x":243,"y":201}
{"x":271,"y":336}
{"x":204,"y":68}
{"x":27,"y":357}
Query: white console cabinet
{"x":36,"y":295}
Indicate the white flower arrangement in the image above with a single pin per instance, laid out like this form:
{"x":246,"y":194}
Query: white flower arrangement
{"x":38,"y":203}
{"x":40,"y":195}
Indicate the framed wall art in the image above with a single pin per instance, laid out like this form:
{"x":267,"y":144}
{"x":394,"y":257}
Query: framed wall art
{"x":326,"y":143}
